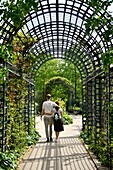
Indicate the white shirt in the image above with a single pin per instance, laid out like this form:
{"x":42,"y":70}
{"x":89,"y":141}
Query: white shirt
{"x":48,"y":106}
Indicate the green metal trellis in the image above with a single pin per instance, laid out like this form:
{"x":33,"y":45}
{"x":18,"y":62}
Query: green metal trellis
{"x":61,"y":28}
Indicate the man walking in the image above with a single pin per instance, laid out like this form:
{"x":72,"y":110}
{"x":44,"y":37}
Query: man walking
{"x":47,"y":110}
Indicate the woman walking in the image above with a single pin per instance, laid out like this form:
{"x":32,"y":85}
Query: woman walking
{"x":58,"y":123}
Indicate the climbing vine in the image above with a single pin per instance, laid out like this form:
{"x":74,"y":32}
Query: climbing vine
{"x":19,"y":135}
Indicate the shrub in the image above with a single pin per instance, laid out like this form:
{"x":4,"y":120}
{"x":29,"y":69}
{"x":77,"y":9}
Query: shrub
{"x":67,"y":119}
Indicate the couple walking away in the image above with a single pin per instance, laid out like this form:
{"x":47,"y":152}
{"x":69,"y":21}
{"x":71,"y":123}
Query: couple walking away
{"x":52,"y":113}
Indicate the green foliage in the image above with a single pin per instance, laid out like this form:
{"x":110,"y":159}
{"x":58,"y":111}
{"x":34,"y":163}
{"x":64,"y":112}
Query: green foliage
{"x":59,"y":92}
{"x":70,"y":109}
{"x":8,"y":161}
{"x":87,"y":137}
{"x":16,"y":128}
{"x":14,"y":54}
{"x":96,"y":21}
{"x":107,"y":59}
{"x":6,"y":52}
{"x":18,"y":138}
{"x":60,"y":80}
{"x":55,"y":68}
{"x":111,"y":121}
{"x":67,"y":119}
{"x":3,"y":74}
{"x":99,"y":146}
{"x":59,"y":87}
{"x":52,"y":72}
{"x":76,"y":108}
{"x":17,"y":10}
{"x":33,"y":137}
{"x":62,"y":105}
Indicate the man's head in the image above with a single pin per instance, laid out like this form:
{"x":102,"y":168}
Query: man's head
{"x":48,"y":96}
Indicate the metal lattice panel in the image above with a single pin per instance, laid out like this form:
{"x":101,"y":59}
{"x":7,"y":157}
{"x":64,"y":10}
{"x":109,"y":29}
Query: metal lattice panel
{"x":60,"y":28}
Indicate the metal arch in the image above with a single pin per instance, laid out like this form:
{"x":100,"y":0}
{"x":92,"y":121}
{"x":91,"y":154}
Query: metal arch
{"x":70,"y":17}
{"x":80,"y":69}
{"x":69,"y":41}
{"x":44,"y":26}
{"x":58,"y":80}
{"x":76,"y":61}
{"x":85,"y":64}
{"x":85,"y":59}
{"x":86,"y":49}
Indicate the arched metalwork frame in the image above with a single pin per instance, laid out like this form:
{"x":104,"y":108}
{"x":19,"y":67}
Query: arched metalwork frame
{"x":65,"y":22}
{"x":65,"y":83}
{"x":59,"y":28}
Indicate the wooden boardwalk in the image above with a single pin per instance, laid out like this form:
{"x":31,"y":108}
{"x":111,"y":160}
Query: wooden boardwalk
{"x":67,"y":154}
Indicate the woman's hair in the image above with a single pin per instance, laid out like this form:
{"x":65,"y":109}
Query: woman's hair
{"x":57,"y":102}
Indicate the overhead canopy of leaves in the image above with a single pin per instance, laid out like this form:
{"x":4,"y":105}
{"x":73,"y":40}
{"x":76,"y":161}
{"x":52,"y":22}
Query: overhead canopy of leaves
{"x":107,"y":59}
{"x":16,"y":10}
{"x":97,"y":19}
{"x":102,"y":17}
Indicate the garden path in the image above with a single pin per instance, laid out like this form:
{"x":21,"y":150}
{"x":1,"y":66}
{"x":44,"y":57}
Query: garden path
{"x":68,"y":153}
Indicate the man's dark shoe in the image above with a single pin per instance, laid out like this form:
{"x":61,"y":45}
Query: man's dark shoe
{"x":51,"y":139}
{"x":47,"y":140}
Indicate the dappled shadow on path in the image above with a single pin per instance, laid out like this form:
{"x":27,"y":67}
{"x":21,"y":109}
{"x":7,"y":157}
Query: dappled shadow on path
{"x":67,"y":154}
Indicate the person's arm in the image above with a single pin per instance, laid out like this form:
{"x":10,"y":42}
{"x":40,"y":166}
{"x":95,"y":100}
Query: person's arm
{"x":42,"y":113}
{"x":52,"y":111}
{"x":61,"y":113}
{"x":43,"y":110}
{"x":54,"y":105}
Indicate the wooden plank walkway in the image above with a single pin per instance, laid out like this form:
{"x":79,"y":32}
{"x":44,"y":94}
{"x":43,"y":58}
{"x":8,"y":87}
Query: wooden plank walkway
{"x":67,"y":154}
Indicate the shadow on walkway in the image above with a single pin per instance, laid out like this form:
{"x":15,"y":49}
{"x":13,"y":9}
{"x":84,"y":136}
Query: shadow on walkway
{"x":67,"y":154}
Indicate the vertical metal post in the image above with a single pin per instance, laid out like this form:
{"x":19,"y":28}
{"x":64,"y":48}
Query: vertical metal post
{"x":3,"y":110}
{"x":75,"y":84}
{"x":109,"y":86}
{"x":84,"y":106}
{"x":33,"y":104}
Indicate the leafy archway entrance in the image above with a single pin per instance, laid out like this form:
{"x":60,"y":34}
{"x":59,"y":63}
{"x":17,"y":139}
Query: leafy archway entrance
{"x":69,"y":90}
{"x":73,"y":30}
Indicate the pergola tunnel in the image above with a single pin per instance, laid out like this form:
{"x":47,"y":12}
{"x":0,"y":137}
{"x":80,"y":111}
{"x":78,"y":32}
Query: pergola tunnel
{"x":57,"y":30}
